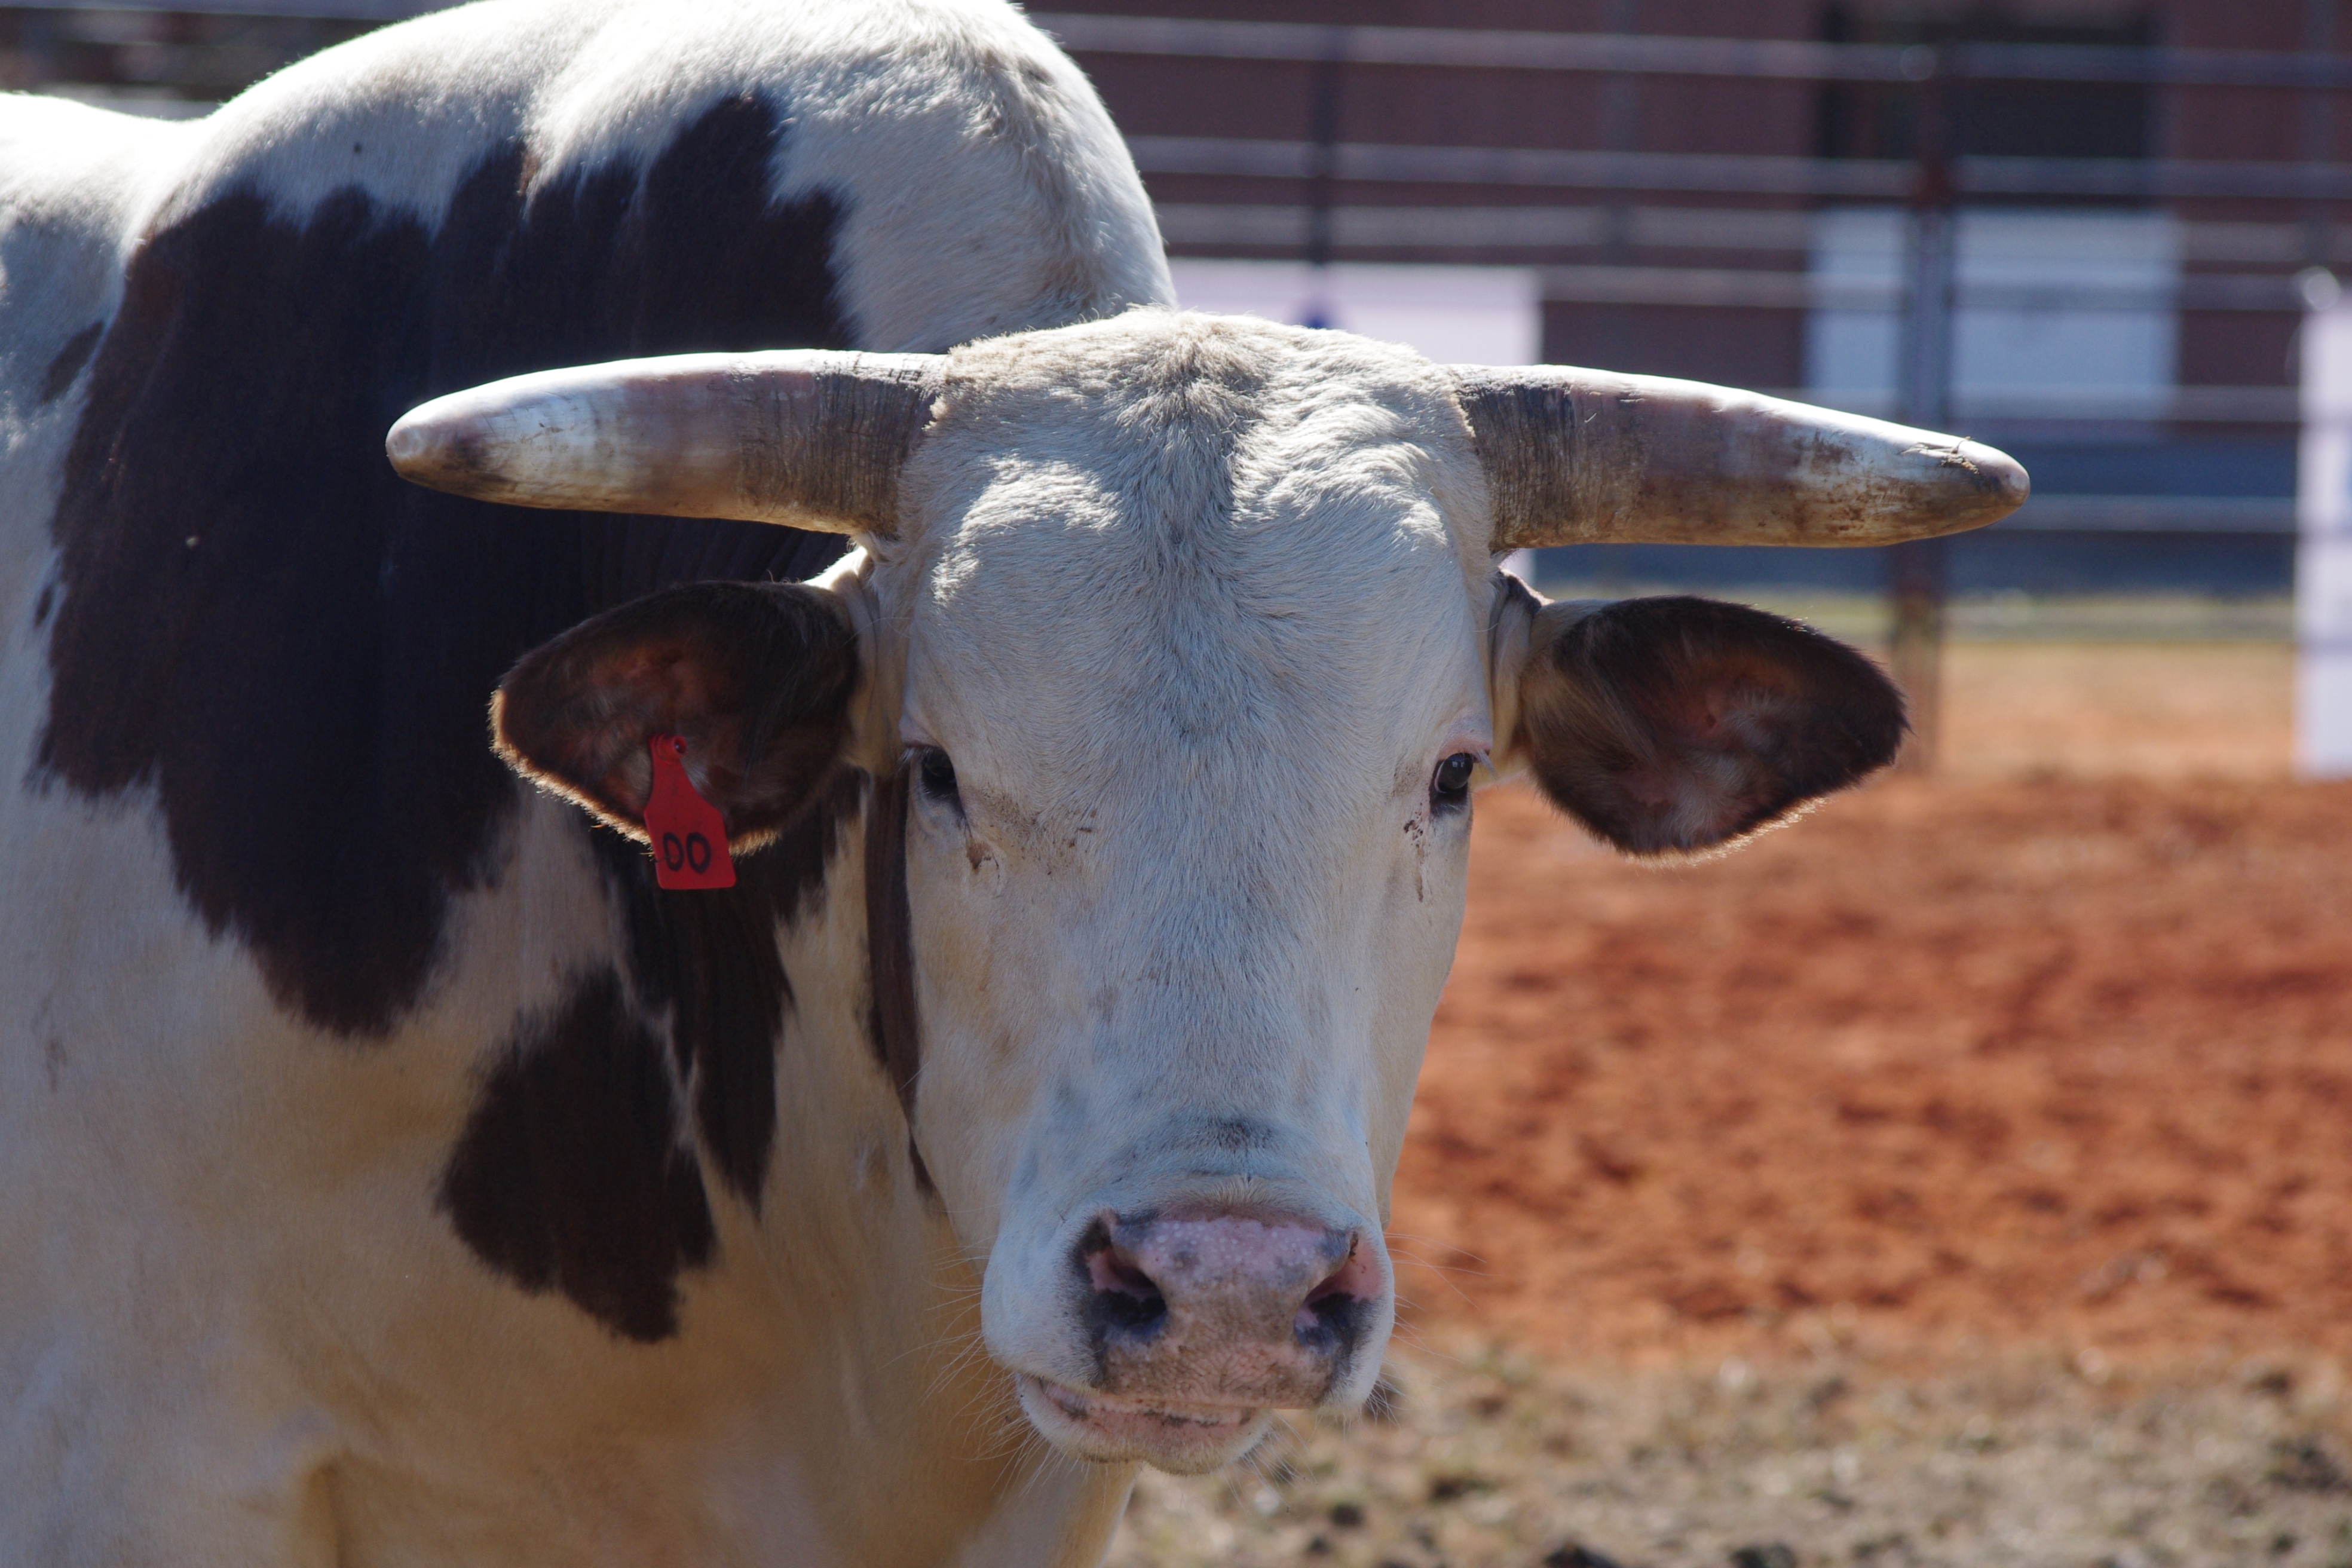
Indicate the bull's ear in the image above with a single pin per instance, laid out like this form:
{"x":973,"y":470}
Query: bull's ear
{"x":758,"y":679}
{"x":1674,"y":724}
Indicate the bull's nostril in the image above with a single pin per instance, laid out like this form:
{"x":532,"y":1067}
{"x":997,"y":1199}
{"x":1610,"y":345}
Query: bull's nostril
{"x":1133,"y":1313}
{"x":1124,"y":1296}
{"x":1333,"y":1313}
{"x":1327,"y":1318}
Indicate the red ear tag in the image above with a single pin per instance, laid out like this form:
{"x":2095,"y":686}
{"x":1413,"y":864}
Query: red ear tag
{"x":689,"y":835}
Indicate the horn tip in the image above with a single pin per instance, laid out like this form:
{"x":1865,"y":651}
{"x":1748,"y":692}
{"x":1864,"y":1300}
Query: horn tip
{"x":431,"y":447}
{"x":2002,"y":480}
{"x":418,"y":445}
{"x":1979,"y":484}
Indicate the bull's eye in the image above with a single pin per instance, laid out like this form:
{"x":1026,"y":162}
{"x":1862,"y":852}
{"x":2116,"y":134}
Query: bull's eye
{"x":1449,"y":788}
{"x":937,"y":774}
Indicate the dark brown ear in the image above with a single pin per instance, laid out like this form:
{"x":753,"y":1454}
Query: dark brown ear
{"x":1674,"y":725}
{"x":756,"y":679}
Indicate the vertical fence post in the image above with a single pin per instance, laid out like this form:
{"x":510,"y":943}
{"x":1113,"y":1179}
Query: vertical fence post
{"x":2318,"y":131}
{"x":37,"y":43}
{"x":1916,"y":572}
{"x":1620,"y":124}
{"x":1323,"y":133}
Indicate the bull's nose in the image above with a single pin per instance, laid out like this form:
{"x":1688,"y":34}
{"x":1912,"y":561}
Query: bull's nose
{"x":1263,"y":1309}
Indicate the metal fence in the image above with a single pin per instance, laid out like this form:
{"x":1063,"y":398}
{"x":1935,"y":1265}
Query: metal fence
{"x":1933,"y":185}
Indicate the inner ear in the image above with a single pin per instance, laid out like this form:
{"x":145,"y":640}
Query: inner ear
{"x":756,"y":679}
{"x":1675,"y":724}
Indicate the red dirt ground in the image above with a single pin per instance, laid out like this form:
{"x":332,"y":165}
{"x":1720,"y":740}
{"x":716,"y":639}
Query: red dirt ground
{"x":2060,"y":1059}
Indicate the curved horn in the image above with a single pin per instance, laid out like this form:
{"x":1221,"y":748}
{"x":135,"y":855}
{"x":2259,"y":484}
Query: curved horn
{"x":807,"y":437}
{"x":1582,"y":457}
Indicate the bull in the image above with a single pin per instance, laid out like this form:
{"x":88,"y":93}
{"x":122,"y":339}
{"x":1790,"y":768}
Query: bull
{"x":400,"y":1173}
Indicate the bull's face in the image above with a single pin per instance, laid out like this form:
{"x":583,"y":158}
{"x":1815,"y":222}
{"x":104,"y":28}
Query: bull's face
{"x":1174,"y":656}
{"x":1195,"y":693}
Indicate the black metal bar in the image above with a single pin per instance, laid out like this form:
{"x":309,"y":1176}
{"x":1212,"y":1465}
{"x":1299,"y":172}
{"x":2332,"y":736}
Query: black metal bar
{"x":1323,"y":132}
{"x":2318,"y":124}
{"x":2204,"y":516}
{"x":1770,"y":59}
{"x":2152,"y":177}
{"x":1853,"y":179}
{"x":1550,"y":226}
{"x":1382,"y":162}
{"x":1918,"y":571}
{"x":1621,"y":118}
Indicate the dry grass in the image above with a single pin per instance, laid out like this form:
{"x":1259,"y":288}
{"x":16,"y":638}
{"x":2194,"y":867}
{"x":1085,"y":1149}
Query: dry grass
{"x":2019,"y":1461}
{"x":2153,"y":710}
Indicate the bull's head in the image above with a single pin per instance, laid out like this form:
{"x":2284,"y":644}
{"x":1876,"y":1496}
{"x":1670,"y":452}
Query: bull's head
{"x":1176,"y":649}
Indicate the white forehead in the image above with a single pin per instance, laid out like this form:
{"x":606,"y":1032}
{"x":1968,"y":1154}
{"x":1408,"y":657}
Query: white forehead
{"x":1170,"y":530}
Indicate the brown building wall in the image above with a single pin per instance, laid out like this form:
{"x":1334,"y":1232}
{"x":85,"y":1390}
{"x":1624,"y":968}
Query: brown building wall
{"x":1737,"y":347}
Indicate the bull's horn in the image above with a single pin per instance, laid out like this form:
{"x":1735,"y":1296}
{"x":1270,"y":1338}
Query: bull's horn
{"x":806,"y":437}
{"x":1578,"y":457}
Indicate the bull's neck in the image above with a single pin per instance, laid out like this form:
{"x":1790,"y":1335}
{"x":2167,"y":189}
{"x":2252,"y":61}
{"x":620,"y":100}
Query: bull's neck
{"x":892,"y":1395}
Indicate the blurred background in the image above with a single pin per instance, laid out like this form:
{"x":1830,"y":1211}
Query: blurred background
{"x":1961,"y":1176}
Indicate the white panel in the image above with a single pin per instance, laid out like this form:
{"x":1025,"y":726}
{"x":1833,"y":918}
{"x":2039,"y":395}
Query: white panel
{"x":2046,"y":353}
{"x":1457,"y":315}
{"x":2123,"y":359}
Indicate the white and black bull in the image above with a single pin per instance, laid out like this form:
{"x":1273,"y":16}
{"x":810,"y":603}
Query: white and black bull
{"x":1171,"y":654}
{"x":396,"y":1174}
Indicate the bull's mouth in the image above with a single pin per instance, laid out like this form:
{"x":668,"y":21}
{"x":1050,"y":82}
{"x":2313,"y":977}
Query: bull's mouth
{"x":1183,"y":1437}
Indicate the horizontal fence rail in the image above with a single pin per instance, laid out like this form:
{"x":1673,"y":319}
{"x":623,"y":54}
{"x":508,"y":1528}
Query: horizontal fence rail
{"x":2153,"y":514}
{"x":1650,"y":54}
{"x":1612,"y":53}
{"x":1708,"y":286}
{"x":2189,"y":404}
{"x":1552,"y":225}
{"x":1850,"y":179}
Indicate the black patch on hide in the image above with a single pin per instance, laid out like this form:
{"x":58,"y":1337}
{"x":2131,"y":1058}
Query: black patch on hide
{"x":295,"y":649}
{"x":573,"y":1174}
{"x":896,"y":1024}
{"x":708,"y":959}
{"x":293,"y":646}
